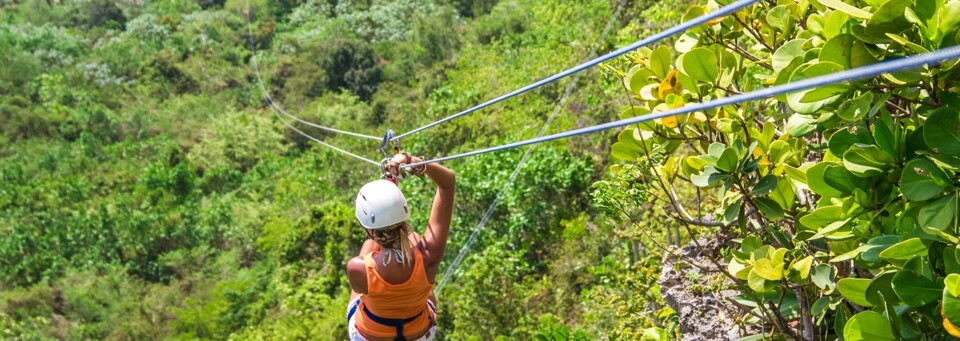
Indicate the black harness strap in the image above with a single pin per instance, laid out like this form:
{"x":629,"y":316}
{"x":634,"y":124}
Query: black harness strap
{"x":395,"y":323}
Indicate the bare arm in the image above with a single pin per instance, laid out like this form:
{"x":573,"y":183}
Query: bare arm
{"x":441,"y":214}
{"x":438,"y":228}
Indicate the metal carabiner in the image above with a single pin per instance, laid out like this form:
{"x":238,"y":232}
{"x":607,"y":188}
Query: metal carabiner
{"x":386,"y":139}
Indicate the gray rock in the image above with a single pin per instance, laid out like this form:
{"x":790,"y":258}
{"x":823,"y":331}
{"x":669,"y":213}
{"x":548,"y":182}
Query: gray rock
{"x":696,"y":289}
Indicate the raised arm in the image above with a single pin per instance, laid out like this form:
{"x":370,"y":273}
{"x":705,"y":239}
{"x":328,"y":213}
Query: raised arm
{"x":441,"y":214}
{"x":438,"y":228}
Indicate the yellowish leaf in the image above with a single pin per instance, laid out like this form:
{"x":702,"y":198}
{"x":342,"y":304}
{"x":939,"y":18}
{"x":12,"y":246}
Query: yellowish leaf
{"x":669,"y":85}
{"x":764,"y":161}
{"x":670,"y":121}
{"x":951,"y":328}
{"x":697,"y":118}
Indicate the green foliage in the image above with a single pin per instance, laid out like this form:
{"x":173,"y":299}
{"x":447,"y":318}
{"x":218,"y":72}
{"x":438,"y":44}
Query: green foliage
{"x":851,"y":185}
{"x":351,"y":65}
{"x":237,"y":140}
{"x":149,"y":193}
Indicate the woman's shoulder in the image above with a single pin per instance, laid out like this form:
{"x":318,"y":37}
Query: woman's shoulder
{"x":356,"y":264}
{"x":357,"y":274}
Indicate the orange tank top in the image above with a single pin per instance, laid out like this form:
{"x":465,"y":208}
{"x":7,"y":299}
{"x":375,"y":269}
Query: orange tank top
{"x":395,"y":301}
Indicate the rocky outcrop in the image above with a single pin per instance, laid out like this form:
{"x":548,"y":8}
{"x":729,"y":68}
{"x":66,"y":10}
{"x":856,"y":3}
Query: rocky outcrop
{"x":693,"y":286}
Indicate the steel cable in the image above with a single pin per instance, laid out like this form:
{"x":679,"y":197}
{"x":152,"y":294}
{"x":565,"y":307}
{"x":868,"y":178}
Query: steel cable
{"x":516,"y":170}
{"x":872,"y":70}
{"x":725,"y":10}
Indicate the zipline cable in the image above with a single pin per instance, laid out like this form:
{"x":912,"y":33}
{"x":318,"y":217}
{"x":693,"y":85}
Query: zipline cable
{"x":872,"y":70}
{"x":274,"y":104}
{"x":314,"y":139}
{"x":725,"y":10}
{"x":516,"y":170}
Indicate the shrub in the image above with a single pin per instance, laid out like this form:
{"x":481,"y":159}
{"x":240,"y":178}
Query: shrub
{"x":352,"y":65}
{"x":843,"y":198}
{"x":238,"y":140}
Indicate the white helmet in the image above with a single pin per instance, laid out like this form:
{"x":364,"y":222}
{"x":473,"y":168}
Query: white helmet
{"x":381,"y":204}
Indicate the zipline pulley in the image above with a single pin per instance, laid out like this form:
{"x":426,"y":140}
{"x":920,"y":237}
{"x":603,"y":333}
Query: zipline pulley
{"x":387,"y":138}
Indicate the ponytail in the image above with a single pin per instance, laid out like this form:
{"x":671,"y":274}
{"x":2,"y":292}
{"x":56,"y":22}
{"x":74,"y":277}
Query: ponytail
{"x":395,"y":239}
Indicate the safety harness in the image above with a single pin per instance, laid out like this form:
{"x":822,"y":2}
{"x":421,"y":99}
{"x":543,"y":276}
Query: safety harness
{"x":395,"y":323}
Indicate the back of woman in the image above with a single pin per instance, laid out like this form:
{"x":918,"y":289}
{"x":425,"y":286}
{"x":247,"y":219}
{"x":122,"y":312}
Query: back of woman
{"x":401,"y":297}
{"x":392,"y":279}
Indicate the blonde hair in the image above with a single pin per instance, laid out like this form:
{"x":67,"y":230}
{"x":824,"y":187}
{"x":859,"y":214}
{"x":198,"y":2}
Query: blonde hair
{"x":395,"y":237}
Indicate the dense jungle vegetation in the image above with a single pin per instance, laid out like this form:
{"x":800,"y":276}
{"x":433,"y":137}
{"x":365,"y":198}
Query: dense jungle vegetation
{"x":148,"y":190}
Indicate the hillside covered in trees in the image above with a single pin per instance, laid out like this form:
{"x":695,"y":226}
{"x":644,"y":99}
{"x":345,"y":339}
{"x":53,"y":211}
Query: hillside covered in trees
{"x":150,"y":187}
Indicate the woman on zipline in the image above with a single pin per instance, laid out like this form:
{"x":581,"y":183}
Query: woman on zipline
{"x":391,"y":281}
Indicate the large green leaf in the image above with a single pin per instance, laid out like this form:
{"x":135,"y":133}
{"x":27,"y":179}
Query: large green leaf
{"x":779,"y":17}
{"x":952,"y":284}
{"x":847,"y":9}
{"x":841,"y":140}
{"x":949,"y":16}
{"x":766,"y":185}
{"x":800,"y":125}
{"x":868,"y":326}
{"x":856,"y":109}
{"x":700,"y":64}
{"x":881,"y":290}
{"x":728,"y":160}
{"x":758,"y":283}
{"x":889,"y":18}
{"x":786,"y":53}
{"x":865,"y":160}
{"x":768,"y":269}
{"x":822,"y":276}
{"x":821,"y":216}
{"x":801,"y":269}
{"x":638,"y":77}
{"x":796,"y":99}
{"x":938,"y":213}
{"x":887,"y":136}
{"x":847,"y":51}
{"x":921,"y":179}
{"x":784,"y":194}
{"x":842,"y":226}
{"x":768,"y":208}
{"x":854,"y":290}
{"x":915,"y":289}
{"x":941,"y":131}
{"x":876,"y":245}
{"x":951,"y":307}
{"x":816,"y":182}
{"x":905,"y":250}
{"x":660,"y":61}
{"x":708,"y":177}
{"x":623,"y":152}
{"x":844,"y":181}
{"x":835,"y":23}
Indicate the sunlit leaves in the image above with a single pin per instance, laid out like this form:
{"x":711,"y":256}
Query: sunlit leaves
{"x":867,"y":160}
{"x":854,"y":289}
{"x":847,"y":51}
{"x":862,"y":174}
{"x":796,"y":99}
{"x":942,"y":131}
{"x":700,"y":64}
{"x":660,"y":62}
{"x":921,"y":179}
{"x":868,"y":326}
